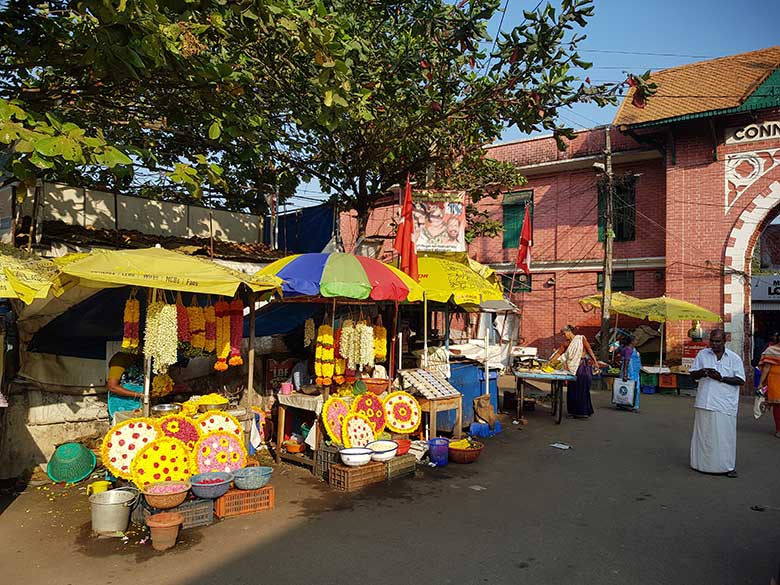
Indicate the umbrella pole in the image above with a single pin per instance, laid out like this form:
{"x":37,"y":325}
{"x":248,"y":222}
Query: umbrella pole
{"x":391,"y":368}
{"x":425,"y":330}
{"x":447,"y":327}
{"x":487,"y":359}
{"x":661,"y":358}
{"x":250,"y":383}
{"x":148,"y":362}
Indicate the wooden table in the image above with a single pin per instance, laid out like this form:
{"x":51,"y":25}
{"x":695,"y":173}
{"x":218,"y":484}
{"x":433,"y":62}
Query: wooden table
{"x":556,"y":381}
{"x":433,"y":406}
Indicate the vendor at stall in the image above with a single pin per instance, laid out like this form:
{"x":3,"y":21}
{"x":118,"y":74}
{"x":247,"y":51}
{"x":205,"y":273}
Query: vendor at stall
{"x":576,"y":357}
{"x":377,"y":371}
{"x":125,"y":382}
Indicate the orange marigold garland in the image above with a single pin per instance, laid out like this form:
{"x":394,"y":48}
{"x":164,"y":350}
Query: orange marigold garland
{"x":380,"y":340}
{"x":165,"y":459}
{"x":209,"y":329}
{"x":182,"y":322}
{"x":324,"y":356}
{"x":236,"y":332}
{"x":222,"y":312}
{"x":132,"y":323}
{"x":197,"y":320}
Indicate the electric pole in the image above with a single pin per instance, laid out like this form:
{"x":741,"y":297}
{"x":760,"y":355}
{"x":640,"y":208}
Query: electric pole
{"x":609,"y":235}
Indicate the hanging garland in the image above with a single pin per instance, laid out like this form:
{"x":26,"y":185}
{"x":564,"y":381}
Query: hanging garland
{"x":197,"y":319}
{"x":364,"y":350}
{"x":236,"y":332}
{"x":218,"y":451}
{"x":308,"y":332}
{"x":333,"y":412}
{"x":160,"y":338}
{"x":182,"y":322}
{"x":324,"y":358}
{"x":222,"y":312}
{"x":380,"y":340}
{"x":346,"y":342}
{"x":165,"y":459}
{"x":132,"y":324}
{"x":357,"y":430}
{"x":209,"y":329}
{"x":162,"y":385}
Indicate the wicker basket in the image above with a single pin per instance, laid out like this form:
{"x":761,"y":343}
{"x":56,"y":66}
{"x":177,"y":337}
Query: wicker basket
{"x":400,"y":466}
{"x":242,"y":502}
{"x":465,"y":455}
{"x":350,"y":479}
{"x":170,"y":500}
{"x":324,"y":457}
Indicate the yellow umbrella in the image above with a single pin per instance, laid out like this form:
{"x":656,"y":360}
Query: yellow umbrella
{"x":162,"y":269}
{"x":445,"y":280}
{"x":619,"y":300}
{"x":663,"y":309}
{"x":25,"y":276}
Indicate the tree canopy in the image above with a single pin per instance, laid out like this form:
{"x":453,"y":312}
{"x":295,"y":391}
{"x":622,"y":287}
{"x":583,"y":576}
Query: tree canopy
{"x":230,"y":99}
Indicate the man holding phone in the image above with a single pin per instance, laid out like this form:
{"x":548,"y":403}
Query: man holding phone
{"x":719,"y":372}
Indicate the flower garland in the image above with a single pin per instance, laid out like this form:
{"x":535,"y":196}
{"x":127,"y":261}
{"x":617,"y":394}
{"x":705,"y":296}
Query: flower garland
{"x":333,"y":412}
{"x":324,"y":356}
{"x":124,"y":441}
{"x":364,"y":350}
{"x":182,"y":322}
{"x":339,"y":369}
{"x":402,"y":412}
{"x":209,"y":329}
{"x":162,"y":385}
{"x":236,"y":332}
{"x":165,"y":459}
{"x":197,"y":319}
{"x":357,"y":430}
{"x":371,"y":405}
{"x":222,"y":312}
{"x":218,"y":451}
{"x":380,"y":341}
{"x":216,"y":420}
{"x":346,"y":342}
{"x":180,"y":427}
{"x":308,"y":332}
{"x":132,"y":323}
{"x":160,"y":338}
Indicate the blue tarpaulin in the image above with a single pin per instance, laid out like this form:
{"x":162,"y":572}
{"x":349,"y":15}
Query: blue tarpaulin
{"x":304,"y":230}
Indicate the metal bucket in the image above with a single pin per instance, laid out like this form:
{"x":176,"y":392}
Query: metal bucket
{"x":111,"y":510}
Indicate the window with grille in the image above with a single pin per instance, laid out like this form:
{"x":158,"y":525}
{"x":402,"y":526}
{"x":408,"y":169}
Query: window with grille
{"x":513,"y":206}
{"x":622,"y":280}
{"x":623,"y":207}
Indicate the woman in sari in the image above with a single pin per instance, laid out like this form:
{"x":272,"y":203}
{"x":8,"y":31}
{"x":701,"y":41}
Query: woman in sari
{"x":575,"y":353}
{"x":770,"y":377}
{"x":125,"y":382}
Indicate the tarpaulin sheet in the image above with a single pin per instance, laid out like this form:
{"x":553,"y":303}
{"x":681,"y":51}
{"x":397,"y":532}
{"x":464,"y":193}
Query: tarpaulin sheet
{"x":305,"y":230}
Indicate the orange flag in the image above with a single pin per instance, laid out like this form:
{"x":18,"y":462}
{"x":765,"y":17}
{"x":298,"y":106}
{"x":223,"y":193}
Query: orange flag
{"x":403,"y":238}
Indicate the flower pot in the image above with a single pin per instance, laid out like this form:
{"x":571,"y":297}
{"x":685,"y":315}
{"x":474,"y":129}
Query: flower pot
{"x":164,"y":529}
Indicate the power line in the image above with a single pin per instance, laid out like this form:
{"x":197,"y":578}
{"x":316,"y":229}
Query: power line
{"x":498,"y":32}
{"x":646,"y":54}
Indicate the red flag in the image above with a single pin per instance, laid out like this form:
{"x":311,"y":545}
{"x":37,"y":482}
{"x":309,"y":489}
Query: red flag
{"x":403,"y":238}
{"x":524,"y":248}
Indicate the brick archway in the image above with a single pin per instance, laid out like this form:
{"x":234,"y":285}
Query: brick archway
{"x":739,"y":251}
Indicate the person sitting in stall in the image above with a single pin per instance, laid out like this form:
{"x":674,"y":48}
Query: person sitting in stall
{"x":378,"y":371}
{"x":574,"y":354}
{"x":301,"y":374}
{"x":125,"y":382}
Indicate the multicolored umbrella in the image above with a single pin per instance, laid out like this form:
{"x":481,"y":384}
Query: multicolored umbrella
{"x":341,"y":275}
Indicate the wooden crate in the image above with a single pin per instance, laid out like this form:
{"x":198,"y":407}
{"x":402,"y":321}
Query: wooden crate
{"x":324,"y":457}
{"x":242,"y":502}
{"x":349,"y":479}
{"x":401,"y":466}
{"x":667,"y":380}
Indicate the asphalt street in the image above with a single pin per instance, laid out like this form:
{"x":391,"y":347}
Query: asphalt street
{"x":621,"y":506}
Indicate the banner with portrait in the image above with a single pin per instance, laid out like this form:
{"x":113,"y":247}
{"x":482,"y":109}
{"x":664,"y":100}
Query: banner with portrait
{"x":439,"y":221}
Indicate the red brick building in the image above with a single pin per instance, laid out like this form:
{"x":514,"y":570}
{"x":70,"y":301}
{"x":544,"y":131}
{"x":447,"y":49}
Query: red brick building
{"x":698,"y":179}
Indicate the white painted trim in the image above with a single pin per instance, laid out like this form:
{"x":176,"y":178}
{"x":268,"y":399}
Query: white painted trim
{"x":592,"y":265}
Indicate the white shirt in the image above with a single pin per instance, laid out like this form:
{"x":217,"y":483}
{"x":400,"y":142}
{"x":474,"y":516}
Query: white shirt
{"x":714,"y":395}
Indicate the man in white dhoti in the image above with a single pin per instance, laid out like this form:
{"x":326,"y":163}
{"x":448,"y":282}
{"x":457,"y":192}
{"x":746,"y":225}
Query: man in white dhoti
{"x":719,"y":372}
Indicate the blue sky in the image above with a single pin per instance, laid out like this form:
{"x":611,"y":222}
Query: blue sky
{"x":637,"y":35}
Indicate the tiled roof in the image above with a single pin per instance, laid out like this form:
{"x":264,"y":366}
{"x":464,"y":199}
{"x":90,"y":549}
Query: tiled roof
{"x":700,"y":87}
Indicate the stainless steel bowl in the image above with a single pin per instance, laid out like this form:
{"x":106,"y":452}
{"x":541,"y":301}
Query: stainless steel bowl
{"x":165,"y":409}
{"x":207,"y":407}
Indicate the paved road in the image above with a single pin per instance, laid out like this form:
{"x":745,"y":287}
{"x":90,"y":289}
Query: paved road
{"x":621,"y":507}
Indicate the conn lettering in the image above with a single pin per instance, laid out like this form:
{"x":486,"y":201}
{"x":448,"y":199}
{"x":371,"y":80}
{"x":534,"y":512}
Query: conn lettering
{"x":765,"y":131}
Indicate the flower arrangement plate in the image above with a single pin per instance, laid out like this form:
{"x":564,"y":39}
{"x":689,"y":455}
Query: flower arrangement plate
{"x":215,"y":420}
{"x":402,"y":412}
{"x":124,"y":441}
{"x":371,"y":405}
{"x":333,"y":413}
{"x":357,"y":430}
{"x":218,"y":451}
{"x":180,"y":427}
{"x":165,"y":459}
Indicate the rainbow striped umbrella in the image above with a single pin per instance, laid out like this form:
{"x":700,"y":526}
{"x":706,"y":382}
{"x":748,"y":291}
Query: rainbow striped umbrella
{"x":341,"y":275}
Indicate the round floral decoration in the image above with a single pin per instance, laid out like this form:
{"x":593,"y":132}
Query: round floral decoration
{"x":371,"y":405}
{"x":218,"y":451}
{"x":357,"y":430}
{"x":124,"y":441}
{"x":402,"y":412}
{"x":180,"y":427}
{"x":216,"y":420}
{"x":333,"y":412}
{"x":166,"y":459}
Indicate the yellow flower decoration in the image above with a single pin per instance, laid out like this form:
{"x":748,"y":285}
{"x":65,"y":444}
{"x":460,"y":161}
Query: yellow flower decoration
{"x":357,"y":430}
{"x":333,"y":412}
{"x":166,"y":459}
{"x":217,"y":457}
{"x":217,"y":420}
{"x":223,"y":442}
{"x":223,"y":457}
{"x":402,"y":412}
{"x":124,"y":441}
{"x":206,"y":450}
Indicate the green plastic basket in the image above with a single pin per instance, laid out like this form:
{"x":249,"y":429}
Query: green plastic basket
{"x":71,"y":463}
